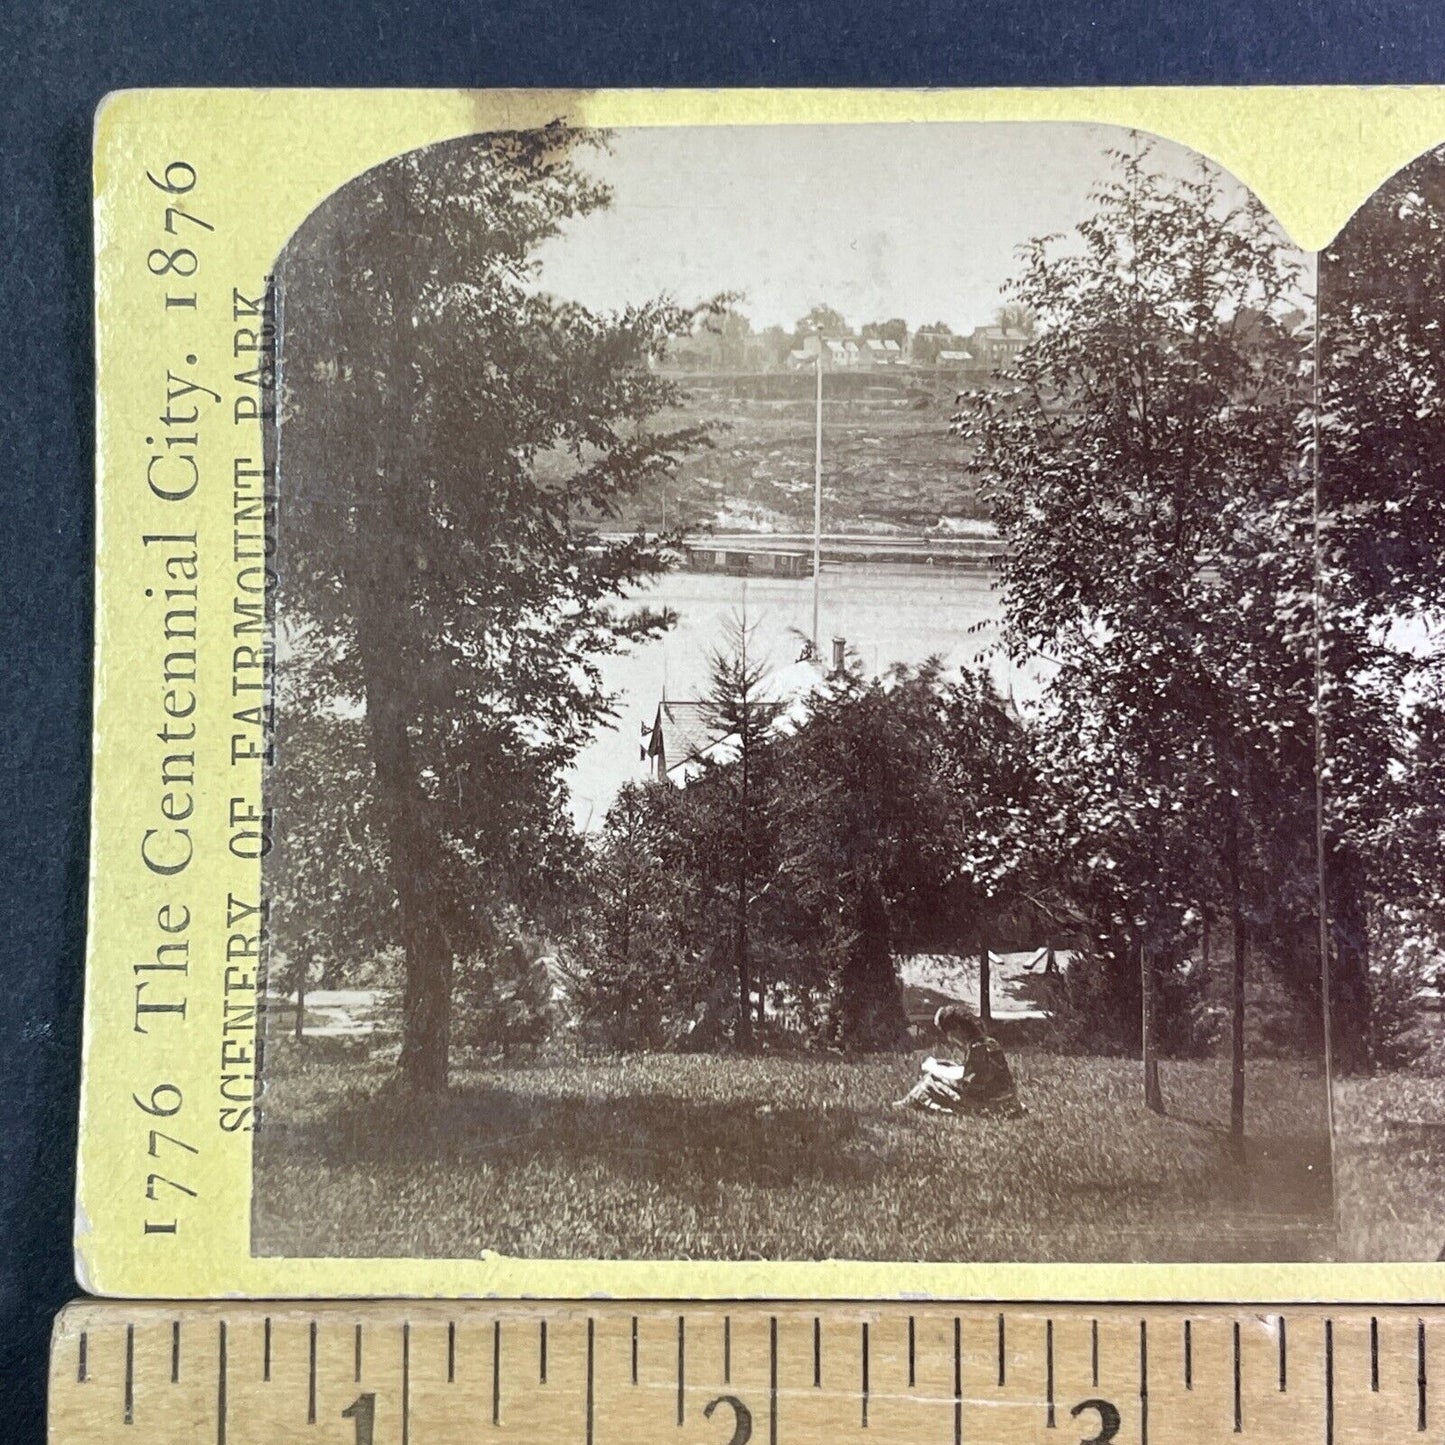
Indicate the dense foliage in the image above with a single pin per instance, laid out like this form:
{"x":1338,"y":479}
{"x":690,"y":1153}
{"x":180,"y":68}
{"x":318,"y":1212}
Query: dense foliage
{"x":1382,"y":440}
{"x":1225,"y":563}
{"x":876,"y":817}
{"x":443,"y":614}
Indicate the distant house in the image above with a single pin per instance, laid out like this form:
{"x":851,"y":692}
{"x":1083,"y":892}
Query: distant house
{"x":879,"y":352}
{"x":840,"y":353}
{"x":997,"y":346}
{"x":925,"y":344}
{"x":681,"y":733}
{"x":746,"y":562}
{"x":684,"y":737}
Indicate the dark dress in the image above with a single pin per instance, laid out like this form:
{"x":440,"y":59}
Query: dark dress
{"x":985,"y":1085}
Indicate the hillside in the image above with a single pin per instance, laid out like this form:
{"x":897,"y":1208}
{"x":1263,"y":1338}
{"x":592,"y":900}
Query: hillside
{"x":889,"y":462}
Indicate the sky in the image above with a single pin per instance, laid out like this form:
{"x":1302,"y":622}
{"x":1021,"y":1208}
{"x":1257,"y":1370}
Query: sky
{"x":916,"y":220}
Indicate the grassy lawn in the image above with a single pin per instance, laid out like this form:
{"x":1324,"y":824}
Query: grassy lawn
{"x":786,"y":1158}
{"x":1390,"y":1161}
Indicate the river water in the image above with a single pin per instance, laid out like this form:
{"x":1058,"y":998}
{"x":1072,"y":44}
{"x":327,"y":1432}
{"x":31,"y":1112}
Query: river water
{"x":887,"y":613}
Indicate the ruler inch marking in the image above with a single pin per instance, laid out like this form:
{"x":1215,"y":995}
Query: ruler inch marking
{"x":912,"y":1375}
{"x":496,"y":1372}
{"x":1284,"y":1355}
{"x":82,"y":1363}
{"x":681,"y":1369}
{"x":1049,"y":1374}
{"x":864,"y":1364}
{"x":1374,"y":1354}
{"x":452,"y":1351}
{"x":1421,"y":1381}
{"x":727,"y":1349}
{"x":634,"y":1349}
{"x":405,"y":1381}
{"x":817,"y":1353}
{"x":311,"y":1376}
{"x":128,"y":1408}
{"x":175,"y":1351}
{"x":1094,"y":1352}
{"x":1143,"y":1382}
{"x":772,"y":1380}
{"x":542,"y":1353}
{"x":356,"y":1377}
{"x":1238,"y":1401}
{"x":1001,"y":1365}
{"x":1329,"y":1382}
{"x":590,"y":1370}
{"x":221,"y":1384}
{"x":266,"y":1348}
{"x":957,"y":1380}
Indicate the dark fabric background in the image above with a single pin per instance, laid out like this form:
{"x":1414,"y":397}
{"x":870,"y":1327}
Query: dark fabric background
{"x":62,"y":56}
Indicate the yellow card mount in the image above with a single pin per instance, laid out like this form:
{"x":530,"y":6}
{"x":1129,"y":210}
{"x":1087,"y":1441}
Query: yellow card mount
{"x":438,"y":1373}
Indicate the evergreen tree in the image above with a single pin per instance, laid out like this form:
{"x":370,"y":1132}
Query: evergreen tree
{"x":738,"y":787}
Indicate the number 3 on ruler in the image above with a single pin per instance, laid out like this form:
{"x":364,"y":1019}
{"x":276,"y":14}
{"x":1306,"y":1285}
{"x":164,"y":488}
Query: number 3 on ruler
{"x":363,"y":1410}
{"x":1109,"y":1421}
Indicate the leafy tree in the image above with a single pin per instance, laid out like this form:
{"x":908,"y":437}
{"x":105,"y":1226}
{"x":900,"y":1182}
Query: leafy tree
{"x":998,"y":860}
{"x":734,"y":330}
{"x":894,"y":329}
{"x":821,"y":320}
{"x":865,"y":800}
{"x":645,"y":960}
{"x":325,"y":922}
{"x":776,"y":344}
{"x":1014,"y":316}
{"x":443,"y":424}
{"x":1142,"y":468}
{"x":930,"y":339}
{"x":505,"y":995}
{"x":1382,"y":527}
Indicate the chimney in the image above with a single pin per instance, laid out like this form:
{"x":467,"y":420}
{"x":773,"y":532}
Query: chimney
{"x":840,"y":649}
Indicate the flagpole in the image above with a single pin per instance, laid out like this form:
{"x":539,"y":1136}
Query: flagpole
{"x":818,"y":499}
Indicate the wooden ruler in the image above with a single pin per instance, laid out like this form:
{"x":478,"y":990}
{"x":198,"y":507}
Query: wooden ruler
{"x":429,"y":1373}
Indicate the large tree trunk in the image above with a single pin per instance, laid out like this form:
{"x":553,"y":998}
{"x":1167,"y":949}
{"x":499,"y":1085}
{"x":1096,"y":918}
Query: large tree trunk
{"x":387,"y":670}
{"x":1351,"y":1011}
{"x":867,"y":1012}
{"x":1153,"y":1089}
{"x":744,"y":1036}
{"x":427,"y":981}
{"x":426,"y":1009}
{"x":1240,"y":942}
{"x":744,"y":963}
{"x":985,"y":985}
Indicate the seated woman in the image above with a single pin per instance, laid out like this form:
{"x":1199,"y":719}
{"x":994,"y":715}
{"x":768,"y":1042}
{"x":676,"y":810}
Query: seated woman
{"x":978,"y":1083}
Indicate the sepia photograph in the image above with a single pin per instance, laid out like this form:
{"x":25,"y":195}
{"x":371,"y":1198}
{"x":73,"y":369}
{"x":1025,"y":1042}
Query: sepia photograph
{"x":1381,"y":530}
{"x":853,"y":692}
